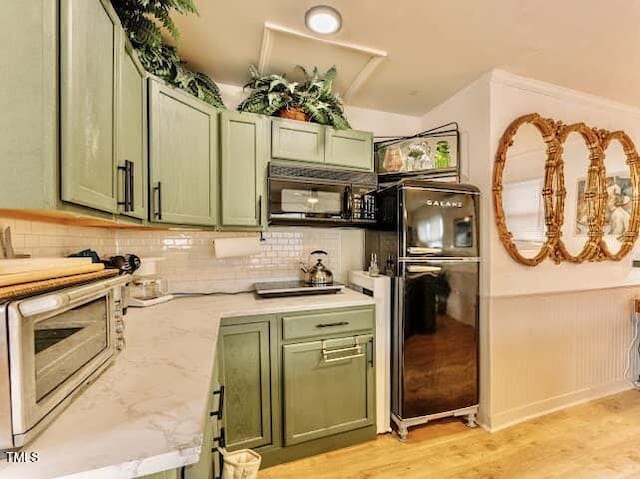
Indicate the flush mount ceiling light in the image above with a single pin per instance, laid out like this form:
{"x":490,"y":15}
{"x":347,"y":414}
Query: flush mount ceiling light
{"x":323,"y":19}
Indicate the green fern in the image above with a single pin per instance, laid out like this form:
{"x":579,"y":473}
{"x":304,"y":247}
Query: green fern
{"x":141,"y":20}
{"x":271,"y":93}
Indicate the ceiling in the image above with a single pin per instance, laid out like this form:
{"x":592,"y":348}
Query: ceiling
{"x":434,"y":47}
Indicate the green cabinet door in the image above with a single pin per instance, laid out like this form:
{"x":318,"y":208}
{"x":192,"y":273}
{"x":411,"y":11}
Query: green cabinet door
{"x":90,"y":41}
{"x":243,"y":163}
{"x":327,"y":392}
{"x":349,"y":149}
{"x":132,"y":136}
{"x":183,"y":154}
{"x":297,"y":140}
{"x":245,"y":359}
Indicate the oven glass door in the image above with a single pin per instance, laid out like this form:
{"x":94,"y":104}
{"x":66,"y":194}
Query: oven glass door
{"x":55,"y":345}
{"x":66,"y":342}
{"x":301,"y":200}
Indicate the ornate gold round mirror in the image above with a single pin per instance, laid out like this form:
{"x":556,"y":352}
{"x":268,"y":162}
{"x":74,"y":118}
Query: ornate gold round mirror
{"x":580,"y":208}
{"x":621,"y":199}
{"x":523,"y":189}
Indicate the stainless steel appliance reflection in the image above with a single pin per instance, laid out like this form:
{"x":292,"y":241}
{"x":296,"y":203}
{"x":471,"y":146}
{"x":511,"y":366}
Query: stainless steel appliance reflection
{"x":428,"y":234}
{"x":52,"y":346}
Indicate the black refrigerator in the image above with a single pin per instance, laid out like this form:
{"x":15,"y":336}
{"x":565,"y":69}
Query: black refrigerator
{"x":426,"y":238}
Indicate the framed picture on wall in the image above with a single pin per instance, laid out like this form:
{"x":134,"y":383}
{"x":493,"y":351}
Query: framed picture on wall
{"x":617,"y":210}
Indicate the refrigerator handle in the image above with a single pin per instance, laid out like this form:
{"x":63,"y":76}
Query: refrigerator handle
{"x":414,"y":268}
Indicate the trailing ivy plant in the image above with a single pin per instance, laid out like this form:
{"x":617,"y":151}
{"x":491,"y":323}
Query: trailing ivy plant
{"x":141,"y":20}
{"x":271,"y":94}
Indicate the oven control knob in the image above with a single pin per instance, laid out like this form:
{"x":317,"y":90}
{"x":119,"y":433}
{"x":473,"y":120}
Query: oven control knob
{"x":118,"y":313}
{"x":120,"y":328}
{"x":120,"y":344}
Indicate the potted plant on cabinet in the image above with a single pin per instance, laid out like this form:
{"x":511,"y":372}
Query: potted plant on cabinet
{"x":141,"y":19}
{"x":313,"y":99}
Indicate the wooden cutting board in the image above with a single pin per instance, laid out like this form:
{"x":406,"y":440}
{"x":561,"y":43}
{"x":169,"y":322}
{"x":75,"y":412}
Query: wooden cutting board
{"x":38,"y":287}
{"x":10,"y":266}
{"x":49,"y":273}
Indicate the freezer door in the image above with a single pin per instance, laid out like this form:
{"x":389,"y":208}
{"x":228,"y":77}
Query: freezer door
{"x":439,"y":222}
{"x":435,"y":344}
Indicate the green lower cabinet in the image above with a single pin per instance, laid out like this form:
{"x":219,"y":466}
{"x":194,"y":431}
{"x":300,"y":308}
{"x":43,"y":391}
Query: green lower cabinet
{"x":292,"y":398}
{"x":349,"y":149}
{"x":328,"y":388}
{"x":243,"y":166}
{"x":247,"y":371}
{"x":183,"y":157}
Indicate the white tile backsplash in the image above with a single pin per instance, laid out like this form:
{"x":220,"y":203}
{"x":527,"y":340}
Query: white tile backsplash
{"x":40,"y":239}
{"x":190,"y":264}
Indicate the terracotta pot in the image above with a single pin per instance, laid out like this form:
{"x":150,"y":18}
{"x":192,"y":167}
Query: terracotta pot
{"x":293,"y":114}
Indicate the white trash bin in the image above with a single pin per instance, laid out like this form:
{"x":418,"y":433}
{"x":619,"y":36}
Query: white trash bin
{"x":242,"y":464}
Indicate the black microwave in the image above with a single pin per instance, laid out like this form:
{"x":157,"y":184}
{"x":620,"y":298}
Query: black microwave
{"x":300,"y":195}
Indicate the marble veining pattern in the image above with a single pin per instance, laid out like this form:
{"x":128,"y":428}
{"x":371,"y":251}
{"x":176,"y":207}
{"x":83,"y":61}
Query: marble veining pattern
{"x":146,"y":413}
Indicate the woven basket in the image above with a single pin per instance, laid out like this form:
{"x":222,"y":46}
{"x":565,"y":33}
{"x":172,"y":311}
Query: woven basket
{"x":293,"y":114}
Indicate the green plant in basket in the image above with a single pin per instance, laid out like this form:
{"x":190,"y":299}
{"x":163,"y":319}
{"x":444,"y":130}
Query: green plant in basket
{"x":312,"y":99}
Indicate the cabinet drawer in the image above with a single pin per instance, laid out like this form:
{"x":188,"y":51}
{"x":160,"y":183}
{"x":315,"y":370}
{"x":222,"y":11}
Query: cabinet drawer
{"x":326,"y":323}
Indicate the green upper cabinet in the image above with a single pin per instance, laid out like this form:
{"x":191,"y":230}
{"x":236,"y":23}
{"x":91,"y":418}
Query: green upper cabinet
{"x":243,"y":163}
{"x":349,"y":149}
{"x":183,"y":154}
{"x":131,"y":163}
{"x":326,"y":392}
{"x":28,"y":102}
{"x":297,"y":140}
{"x":312,"y":143}
{"x":90,"y":46}
{"x":247,"y":363}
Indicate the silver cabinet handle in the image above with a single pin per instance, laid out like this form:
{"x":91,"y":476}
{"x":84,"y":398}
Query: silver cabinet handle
{"x":327,"y":352}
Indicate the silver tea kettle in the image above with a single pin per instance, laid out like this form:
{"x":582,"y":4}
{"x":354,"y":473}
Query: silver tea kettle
{"x":318,"y":273}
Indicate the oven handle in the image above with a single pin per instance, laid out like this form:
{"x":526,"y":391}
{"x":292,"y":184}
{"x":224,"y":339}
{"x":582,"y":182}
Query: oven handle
{"x":52,"y":302}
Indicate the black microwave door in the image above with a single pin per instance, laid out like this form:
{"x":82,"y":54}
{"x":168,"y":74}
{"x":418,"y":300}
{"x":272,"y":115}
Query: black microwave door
{"x":296,"y":199}
{"x":439,"y":223}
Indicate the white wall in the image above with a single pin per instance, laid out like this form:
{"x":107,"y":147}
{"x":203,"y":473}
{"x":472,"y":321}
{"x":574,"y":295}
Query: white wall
{"x":512,"y":96}
{"x":544,"y":342}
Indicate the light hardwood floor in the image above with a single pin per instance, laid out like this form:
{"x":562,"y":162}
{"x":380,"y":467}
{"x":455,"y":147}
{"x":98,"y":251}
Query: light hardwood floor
{"x":599,"y":440}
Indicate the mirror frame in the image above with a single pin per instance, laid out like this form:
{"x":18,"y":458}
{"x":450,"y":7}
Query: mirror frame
{"x":547,"y":129}
{"x":595,"y":194}
{"x":554,"y":135}
{"x":633,"y":162}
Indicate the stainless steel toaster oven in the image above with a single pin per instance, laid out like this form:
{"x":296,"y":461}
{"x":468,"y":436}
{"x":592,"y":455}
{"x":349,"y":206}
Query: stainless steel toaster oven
{"x":51,"y":347}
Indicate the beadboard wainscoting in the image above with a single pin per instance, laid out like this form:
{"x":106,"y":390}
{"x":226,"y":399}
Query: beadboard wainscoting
{"x":549,"y":351}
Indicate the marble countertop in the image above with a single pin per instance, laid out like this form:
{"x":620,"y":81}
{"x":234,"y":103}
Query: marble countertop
{"x":146,"y":412}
